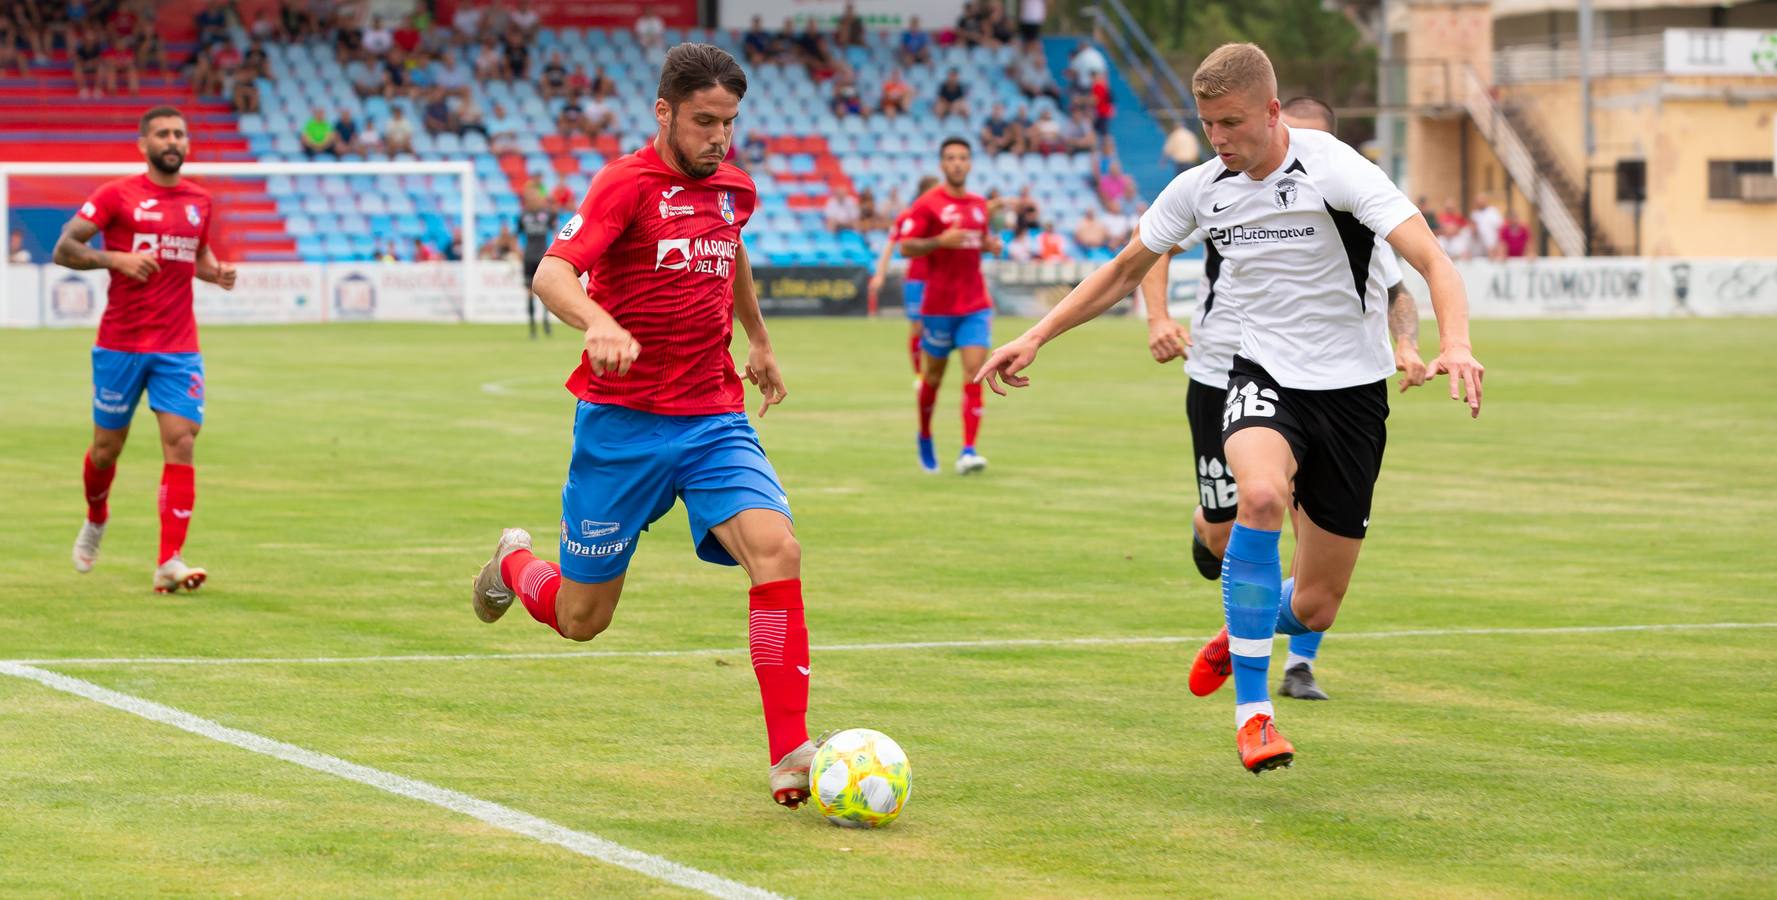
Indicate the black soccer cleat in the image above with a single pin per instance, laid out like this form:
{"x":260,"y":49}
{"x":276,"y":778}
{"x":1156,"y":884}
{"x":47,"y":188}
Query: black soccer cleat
{"x":1207,"y":563}
{"x":1298,"y":682}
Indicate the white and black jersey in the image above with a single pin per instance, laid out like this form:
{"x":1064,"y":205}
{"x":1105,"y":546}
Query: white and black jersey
{"x":1295,"y":257}
{"x":1215,"y":333}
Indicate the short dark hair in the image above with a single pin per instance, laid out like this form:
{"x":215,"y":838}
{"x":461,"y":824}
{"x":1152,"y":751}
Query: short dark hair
{"x":956,"y":139}
{"x":1309,"y":106}
{"x":159,"y":112}
{"x":690,"y":68}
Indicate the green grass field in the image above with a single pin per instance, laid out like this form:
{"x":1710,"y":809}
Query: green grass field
{"x":353,"y":478}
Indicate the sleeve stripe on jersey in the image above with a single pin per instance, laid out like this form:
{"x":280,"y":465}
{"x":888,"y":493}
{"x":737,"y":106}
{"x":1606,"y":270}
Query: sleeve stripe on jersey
{"x":1360,"y":243}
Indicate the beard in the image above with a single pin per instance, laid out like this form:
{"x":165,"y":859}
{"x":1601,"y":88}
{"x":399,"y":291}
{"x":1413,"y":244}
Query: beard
{"x":160,"y":161}
{"x":695,"y":166}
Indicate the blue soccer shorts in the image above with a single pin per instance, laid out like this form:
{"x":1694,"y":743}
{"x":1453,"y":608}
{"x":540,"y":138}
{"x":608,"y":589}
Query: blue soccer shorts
{"x":946,"y":333}
{"x":174,"y":382}
{"x":629,"y":466}
{"x":912,"y":292}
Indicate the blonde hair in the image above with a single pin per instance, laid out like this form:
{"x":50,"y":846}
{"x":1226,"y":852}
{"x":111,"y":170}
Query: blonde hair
{"x":1234,"y":68}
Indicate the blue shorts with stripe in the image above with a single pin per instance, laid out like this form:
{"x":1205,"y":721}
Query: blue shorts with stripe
{"x":174,"y":383}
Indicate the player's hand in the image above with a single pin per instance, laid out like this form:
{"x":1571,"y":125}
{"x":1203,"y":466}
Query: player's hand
{"x":762,"y":371}
{"x":1411,"y":367}
{"x":874,"y":289}
{"x":1465,"y":375}
{"x":225,"y":274}
{"x":1007,"y":362}
{"x":1167,"y":339}
{"x":610,"y":349}
{"x":952,"y":238}
{"x":993,"y":244}
{"x":135,"y":266}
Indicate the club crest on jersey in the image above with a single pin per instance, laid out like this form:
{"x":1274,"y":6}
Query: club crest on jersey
{"x":1286,"y":193}
{"x":725,"y":202}
{"x":193,"y":216}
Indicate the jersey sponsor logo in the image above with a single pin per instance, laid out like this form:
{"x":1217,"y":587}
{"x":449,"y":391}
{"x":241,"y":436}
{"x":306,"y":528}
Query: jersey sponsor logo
{"x":666,"y":249}
{"x":71,"y":298}
{"x":591,"y":529}
{"x":193,"y":216}
{"x":175,"y":247}
{"x":354,"y":297}
{"x":802,"y":669}
{"x":670,"y":210}
{"x":88,"y":210}
{"x":108,"y":400}
{"x":1215,"y":484}
{"x":703,"y":255}
{"x":570,"y":229}
{"x":725,"y":203}
{"x":1249,"y":400}
{"x":607,"y":548}
{"x":149,"y":203}
{"x":1221,"y":206}
{"x":145,"y":243}
{"x":669,"y":194}
{"x":1243,"y":234}
{"x":1285,"y":193}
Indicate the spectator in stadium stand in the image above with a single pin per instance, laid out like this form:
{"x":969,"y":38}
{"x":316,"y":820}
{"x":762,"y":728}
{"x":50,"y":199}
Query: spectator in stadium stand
{"x":1514,"y":239}
{"x":1002,"y":214}
{"x":916,"y":44}
{"x":563,"y":199}
{"x":849,"y":32}
{"x":254,"y":63}
{"x":490,"y":63}
{"x":1182,"y":148}
{"x":554,"y":82}
{"x":244,"y":95}
{"x":1051,"y":248}
{"x":999,"y":134}
{"x":317,"y":135}
{"x":1045,"y":134}
{"x":953,"y":97}
{"x":817,"y":53}
{"x":842,"y":211}
{"x":436,"y":114}
{"x":1029,"y":213}
{"x":266,"y":27}
{"x":846,"y":101}
{"x":1487,"y":222}
{"x":470,"y":117}
{"x":970,"y":22}
{"x":758,"y":44}
{"x":19,"y":254}
{"x":598,"y":115}
{"x":125,"y":33}
{"x":467,"y":22}
{"x":345,"y":133}
{"x":651,"y":31}
{"x":1031,"y":14}
{"x":1090,"y":233}
{"x":11,"y":54}
{"x":399,"y":135}
{"x":1451,"y":215}
{"x":367,"y":78}
{"x":1115,"y":188}
{"x":446,"y":74}
{"x":348,"y":42}
{"x":1087,"y":64}
{"x":756,"y":156}
{"x":211,"y":24}
{"x":1077,"y":132}
{"x":89,"y":63}
{"x":526,"y":19}
{"x":518,"y":56}
{"x":897,"y":94}
{"x":1431,"y":216}
{"x":1103,"y":112}
{"x":1030,"y":72}
{"x":1022,"y":247}
{"x":996,"y":27}
{"x":1457,"y":236}
{"x":369,"y":140}
{"x":1121,"y":224}
{"x":501,"y":246}
{"x":579,"y":82}
{"x":570,"y":121}
{"x":423,"y":252}
{"x":376,"y":39}
{"x":151,"y":52}
{"x":870,"y":215}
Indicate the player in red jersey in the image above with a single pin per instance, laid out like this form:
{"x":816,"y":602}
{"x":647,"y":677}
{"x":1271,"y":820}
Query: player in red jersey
{"x":913,"y":284}
{"x":661,"y":412}
{"x":157,"y":238}
{"x":947,"y":227}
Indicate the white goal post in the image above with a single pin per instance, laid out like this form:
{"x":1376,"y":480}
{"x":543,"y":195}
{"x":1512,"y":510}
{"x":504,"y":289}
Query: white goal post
{"x":463,"y":169}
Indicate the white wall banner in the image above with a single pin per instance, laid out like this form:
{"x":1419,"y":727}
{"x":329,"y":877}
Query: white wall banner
{"x":72,"y":298}
{"x":1718,"y":287}
{"x":263,"y":293}
{"x":498,"y":294}
{"x":890,"y":14}
{"x":1721,"y":51}
{"x":394,"y":292}
{"x":24,"y":285}
{"x":1553,"y":288}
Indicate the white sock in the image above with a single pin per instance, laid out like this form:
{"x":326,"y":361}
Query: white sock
{"x":1245,"y":711}
{"x":1296,"y":659}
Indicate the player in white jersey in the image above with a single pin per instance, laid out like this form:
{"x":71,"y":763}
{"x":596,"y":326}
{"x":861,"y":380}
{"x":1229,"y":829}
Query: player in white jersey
{"x":1213,"y":338}
{"x":1296,"y":213}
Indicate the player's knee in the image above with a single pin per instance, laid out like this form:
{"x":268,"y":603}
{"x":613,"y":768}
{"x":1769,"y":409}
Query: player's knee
{"x":585,"y":623}
{"x":179,"y":447}
{"x":781,"y":553}
{"x":1264,"y":501}
{"x":1316,"y":607}
{"x":104,"y":454}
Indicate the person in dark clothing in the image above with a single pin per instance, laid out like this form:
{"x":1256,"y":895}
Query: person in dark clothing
{"x":536,"y":228}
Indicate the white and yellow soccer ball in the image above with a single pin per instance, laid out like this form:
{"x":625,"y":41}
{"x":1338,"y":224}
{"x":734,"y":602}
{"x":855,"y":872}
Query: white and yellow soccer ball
{"x":861,"y":778}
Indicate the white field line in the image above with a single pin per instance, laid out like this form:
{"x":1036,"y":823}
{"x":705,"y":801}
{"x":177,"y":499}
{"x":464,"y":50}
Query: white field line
{"x":841,"y":648}
{"x":503,"y":817}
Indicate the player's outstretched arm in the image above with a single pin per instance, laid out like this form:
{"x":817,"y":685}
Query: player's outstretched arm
{"x":1403,"y":329}
{"x":880,"y":274}
{"x":72,"y":251}
{"x":609,"y":348}
{"x":1100,"y":291}
{"x":761,"y":361}
{"x":916,"y":247}
{"x":1413,"y":240}
{"x":1167,"y":339}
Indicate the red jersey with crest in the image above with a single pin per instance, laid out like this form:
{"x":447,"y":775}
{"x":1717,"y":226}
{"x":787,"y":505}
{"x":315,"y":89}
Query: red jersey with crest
{"x":953,"y":277}
{"x":659,"y":249}
{"x":171,"y":224}
{"x":916,"y":267}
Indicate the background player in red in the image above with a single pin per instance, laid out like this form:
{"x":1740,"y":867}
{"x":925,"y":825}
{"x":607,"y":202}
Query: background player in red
{"x":913,"y":284}
{"x":661,"y":413}
{"x":157,"y":238}
{"x":947,"y":226}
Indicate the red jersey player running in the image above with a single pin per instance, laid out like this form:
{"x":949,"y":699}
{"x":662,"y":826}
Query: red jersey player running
{"x":157,"y":238}
{"x":947,"y":227}
{"x":661,"y":413}
{"x":913,"y":284}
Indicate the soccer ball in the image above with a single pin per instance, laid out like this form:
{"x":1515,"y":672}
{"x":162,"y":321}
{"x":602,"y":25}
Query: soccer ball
{"x":861,"y":778}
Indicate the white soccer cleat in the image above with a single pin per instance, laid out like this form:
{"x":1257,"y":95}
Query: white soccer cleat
{"x":174,"y":576}
{"x":492,"y":597}
{"x":86,"y":546}
{"x":970,"y":463}
{"x":790,"y":782}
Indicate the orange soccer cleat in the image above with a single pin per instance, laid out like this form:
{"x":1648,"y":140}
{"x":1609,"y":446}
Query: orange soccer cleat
{"x":1212,"y":666}
{"x":1262,"y":746}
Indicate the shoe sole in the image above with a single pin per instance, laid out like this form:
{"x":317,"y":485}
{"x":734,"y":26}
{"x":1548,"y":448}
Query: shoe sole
{"x":483,"y":610}
{"x":1281,"y":761}
{"x":188,"y":584}
{"x":1296,"y":693}
{"x":1207,"y":564}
